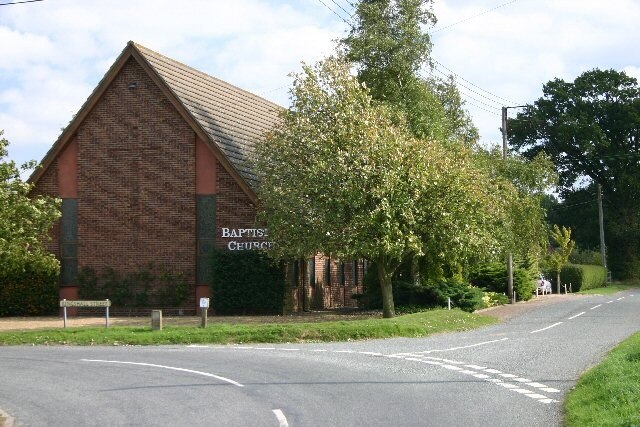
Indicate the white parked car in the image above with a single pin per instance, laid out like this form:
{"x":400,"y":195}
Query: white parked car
{"x":544,"y":286}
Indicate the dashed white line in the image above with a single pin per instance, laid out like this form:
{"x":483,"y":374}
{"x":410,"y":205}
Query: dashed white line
{"x":522,"y":380}
{"x":620,"y":298}
{"x":548,"y":327}
{"x":493,"y":371}
{"x":577,"y":315}
{"x":594,"y":307}
{"x":281,"y":418}
{"x":609,"y":302}
{"x":172,"y":368}
{"x":459,"y":348}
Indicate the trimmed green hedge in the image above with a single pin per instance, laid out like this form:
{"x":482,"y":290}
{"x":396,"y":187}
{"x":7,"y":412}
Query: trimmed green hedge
{"x":246,"y":282}
{"x":30,"y":289}
{"x":493,"y":278}
{"x":584,"y":277}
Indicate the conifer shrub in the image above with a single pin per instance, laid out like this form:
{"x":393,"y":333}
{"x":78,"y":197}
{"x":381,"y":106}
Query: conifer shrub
{"x":247,"y":282}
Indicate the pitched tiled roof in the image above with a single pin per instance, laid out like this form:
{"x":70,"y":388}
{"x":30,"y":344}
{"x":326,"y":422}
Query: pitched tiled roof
{"x":233,"y":118}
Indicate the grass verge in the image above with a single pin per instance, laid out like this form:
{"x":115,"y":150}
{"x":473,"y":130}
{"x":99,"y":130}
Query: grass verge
{"x":411,"y":325}
{"x":612,"y":288}
{"x":609,"y":394}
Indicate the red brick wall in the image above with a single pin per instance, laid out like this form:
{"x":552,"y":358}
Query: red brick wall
{"x":234,"y":209}
{"x":136,"y":180}
{"x":48,"y":186}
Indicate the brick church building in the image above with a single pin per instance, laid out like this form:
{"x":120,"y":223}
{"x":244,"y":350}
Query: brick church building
{"x":153,"y":169}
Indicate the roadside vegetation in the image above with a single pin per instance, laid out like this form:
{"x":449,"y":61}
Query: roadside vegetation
{"x":609,"y":394}
{"x":612,"y":288}
{"x":420,"y":324}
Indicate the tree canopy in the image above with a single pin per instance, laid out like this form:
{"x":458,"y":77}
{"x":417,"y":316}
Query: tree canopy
{"x":590,"y":128}
{"x":390,"y":48}
{"x":24,"y":221}
{"x":340,"y":175}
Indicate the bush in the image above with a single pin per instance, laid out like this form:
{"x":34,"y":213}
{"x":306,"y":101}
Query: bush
{"x":585,"y":257}
{"x":583,"y":277}
{"x":30,"y":288}
{"x":247,"y":282}
{"x":147,"y":287}
{"x":429,"y":294}
{"x":493,"y":278}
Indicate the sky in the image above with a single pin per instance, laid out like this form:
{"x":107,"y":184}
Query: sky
{"x":53,"y":53}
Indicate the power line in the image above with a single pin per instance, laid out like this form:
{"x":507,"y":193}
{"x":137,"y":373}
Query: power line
{"x":336,"y":13}
{"x":474,"y":16}
{"x":19,"y":2}
{"x":499,"y":104}
{"x":340,"y":6}
{"x":472,"y":84}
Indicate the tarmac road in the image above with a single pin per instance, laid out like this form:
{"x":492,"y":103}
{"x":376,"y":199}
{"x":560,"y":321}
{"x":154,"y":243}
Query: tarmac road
{"x":513,"y":374}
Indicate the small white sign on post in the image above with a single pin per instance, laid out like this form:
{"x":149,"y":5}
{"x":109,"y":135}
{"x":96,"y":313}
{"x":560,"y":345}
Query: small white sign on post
{"x":204,"y":306}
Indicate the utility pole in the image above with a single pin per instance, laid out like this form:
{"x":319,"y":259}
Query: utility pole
{"x":509,"y":255}
{"x":603,"y":250}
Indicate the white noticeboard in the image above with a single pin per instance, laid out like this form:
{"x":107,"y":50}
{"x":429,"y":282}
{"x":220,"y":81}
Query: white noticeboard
{"x":204,"y":302}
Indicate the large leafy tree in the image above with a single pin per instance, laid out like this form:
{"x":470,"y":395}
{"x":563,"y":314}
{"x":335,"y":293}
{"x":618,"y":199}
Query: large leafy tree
{"x":24,"y":221}
{"x":390,"y":48}
{"x":342,"y":174}
{"x":590,"y":128}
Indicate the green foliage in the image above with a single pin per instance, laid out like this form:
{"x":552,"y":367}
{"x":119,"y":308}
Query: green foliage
{"x":608,"y":395}
{"x":428,"y":294}
{"x":147,"y":287}
{"x":589,"y":128}
{"x":30,"y":289}
{"x":492,"y":277}
{"x":563,"y":248}
{"x":28,"y":273}
{"x":585,"y":256}
{"x":371,"y":190}
{"x":389,"y":46}
{"x":247,"y":282}
{"x":583,"y":277}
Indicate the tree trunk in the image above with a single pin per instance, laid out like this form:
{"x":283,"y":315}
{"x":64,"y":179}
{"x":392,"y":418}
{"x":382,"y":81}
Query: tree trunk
{"x":558,"y":282}
{"x":415,"y":270}
{"x":384,"y":276}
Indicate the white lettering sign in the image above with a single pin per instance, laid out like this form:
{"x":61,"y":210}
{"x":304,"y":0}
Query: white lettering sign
{"x":204,"y":302}
{"x":246,"y":233}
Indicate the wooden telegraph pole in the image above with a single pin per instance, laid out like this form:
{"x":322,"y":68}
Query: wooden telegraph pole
{"x":509,"y":255}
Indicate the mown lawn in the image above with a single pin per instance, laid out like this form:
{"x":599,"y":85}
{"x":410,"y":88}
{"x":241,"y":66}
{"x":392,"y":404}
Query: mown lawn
{"x":612,"y":288}
{"x":609,"y":394}
{"x":411,"y":325}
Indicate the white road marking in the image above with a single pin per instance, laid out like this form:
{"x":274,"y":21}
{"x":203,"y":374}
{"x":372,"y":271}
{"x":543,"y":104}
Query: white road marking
{"x":320,"y":350}
{"x":550,"y":390}
{"x":344,"y":351}
{"x":547,"y":400}
{"x":577,"y":315}
{"x":522,"y":380}
{"x":458,"y":348}
{"x":493,"y":371}
{"x":620,"y":298}
{"x":481,"y":376}
{"x":508,"y":375}
{"x":452,"y":368}
{"x":281,"y":418}
{"x":508,"y":385}
{"x":548,"y":327}
{"x":536,"y":385}
{"x":370,"y":353}
{"x":536,"y":396}
{"x":265,"y":348}
{"x":592,"y":308}
{"x":609,"y":302}
{"x":480,"y":368}
{"x":172,"y":368}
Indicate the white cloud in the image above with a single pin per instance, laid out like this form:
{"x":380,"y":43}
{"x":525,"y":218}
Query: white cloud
{"x":54,"y":53}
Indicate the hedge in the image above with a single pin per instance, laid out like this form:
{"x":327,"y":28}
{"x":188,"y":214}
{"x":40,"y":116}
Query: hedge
{"x":246,"y":282}
{"x":30,"y":287}
{"x":493,"y":278}
{"x":583,"y":277}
